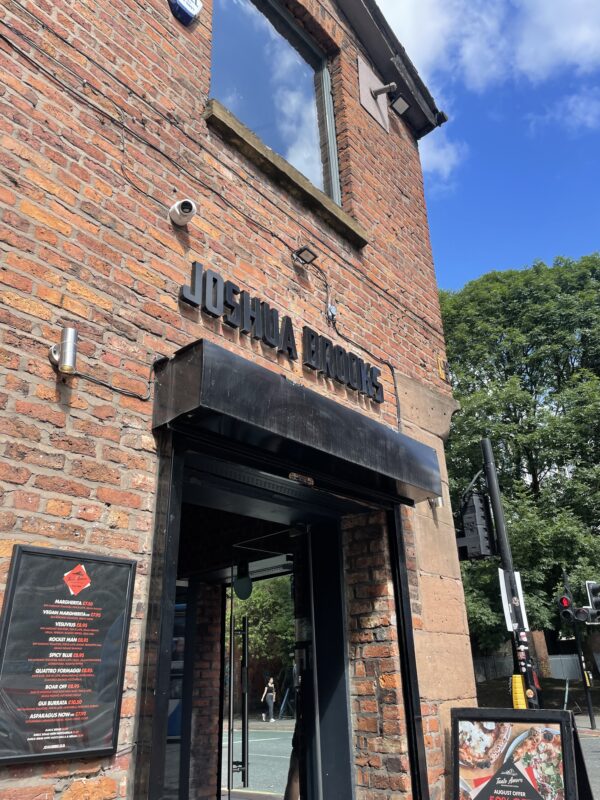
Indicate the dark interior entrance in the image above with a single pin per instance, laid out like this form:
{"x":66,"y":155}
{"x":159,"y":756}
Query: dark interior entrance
{"x":239,"y":527}
{"x":237,"y":438}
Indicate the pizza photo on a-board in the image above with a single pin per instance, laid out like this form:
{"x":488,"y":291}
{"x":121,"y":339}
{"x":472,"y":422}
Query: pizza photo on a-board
{"x":501,"y":754}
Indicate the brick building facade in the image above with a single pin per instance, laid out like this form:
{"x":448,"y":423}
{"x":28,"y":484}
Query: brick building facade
{"x":108,"y":119}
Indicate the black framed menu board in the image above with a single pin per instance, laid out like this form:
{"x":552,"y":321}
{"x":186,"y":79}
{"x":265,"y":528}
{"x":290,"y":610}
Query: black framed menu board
{"x":505,"y":754}
{"x":63,"y":642}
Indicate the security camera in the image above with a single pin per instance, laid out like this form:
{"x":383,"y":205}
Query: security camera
{"x":182,"y":212}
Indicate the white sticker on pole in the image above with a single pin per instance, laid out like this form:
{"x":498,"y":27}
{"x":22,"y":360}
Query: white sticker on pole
{"x":510,"y":607}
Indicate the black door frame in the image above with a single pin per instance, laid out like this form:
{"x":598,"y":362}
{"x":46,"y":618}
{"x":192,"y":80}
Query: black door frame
{"x":173,"y":445}
{"x":154,"y":703}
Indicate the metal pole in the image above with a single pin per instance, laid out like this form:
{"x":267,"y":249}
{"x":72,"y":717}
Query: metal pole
{"x":588,"y":693}
{"x":519,"y":640}
{"x":231,"y":695}
{"x":245,"y":759}
{"x":491,"y":478}
{"x":584,"y":677}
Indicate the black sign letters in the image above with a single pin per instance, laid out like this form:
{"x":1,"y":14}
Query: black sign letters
{"x":332,"y":361}
{"x":255,"y":318}
{"x":224,"y":300}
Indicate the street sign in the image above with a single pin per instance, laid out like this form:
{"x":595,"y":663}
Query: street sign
{"x":510,"y":606}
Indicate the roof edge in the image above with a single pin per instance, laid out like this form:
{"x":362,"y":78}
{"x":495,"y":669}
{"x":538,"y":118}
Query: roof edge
{"x":392,"y":61}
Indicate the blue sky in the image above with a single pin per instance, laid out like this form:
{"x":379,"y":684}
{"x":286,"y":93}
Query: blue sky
{"x":514,"y":176}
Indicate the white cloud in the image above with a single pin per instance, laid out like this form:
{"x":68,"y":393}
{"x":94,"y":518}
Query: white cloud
{"x":552,"y":36}
{"x":452,"y":39}
{"x":441,"y":156}
{"x":425,"y":28}
{"x":233,"y":100}
{"x":482,"y":42}
{"x":482,"y":50}
{"x":287,"y":66}
{"x":582,"y":110}
{"x":297,"y":122}
{"x":578,"y":112}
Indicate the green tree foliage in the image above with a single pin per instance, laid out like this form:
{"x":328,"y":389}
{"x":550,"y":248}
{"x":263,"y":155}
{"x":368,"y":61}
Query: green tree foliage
{"x":270,"y":611}
{"x":524,"y":351}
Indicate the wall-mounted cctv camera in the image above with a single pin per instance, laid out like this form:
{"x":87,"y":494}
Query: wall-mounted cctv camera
{"x":182,"y":212}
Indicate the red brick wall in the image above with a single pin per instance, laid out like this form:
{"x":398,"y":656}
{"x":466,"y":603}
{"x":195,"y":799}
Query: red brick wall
{"x":378,"y":717}
{"x":379,"y":721}
{"x":204,"y":767}
{"x":100,"y":130}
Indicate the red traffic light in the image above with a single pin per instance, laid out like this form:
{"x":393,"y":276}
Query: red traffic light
{"x":565,"y":604}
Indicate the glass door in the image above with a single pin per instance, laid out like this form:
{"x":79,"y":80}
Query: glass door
{"x":260,"y":692}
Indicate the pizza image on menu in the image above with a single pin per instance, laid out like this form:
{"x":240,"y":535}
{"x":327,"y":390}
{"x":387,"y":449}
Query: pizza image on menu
{"x":481,"y":742}
{"x":538,"y":754}
{"x":77,"y":579}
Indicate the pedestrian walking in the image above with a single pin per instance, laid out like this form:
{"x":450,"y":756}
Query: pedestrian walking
{"x":268,"y":697}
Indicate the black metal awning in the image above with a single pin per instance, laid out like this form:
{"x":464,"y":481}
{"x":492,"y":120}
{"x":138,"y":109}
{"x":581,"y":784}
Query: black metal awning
{"x":205,"y":386}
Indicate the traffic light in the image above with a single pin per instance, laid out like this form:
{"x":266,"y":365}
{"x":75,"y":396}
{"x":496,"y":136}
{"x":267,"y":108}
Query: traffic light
{"x":565,"y":605}
{"x":582,"y":614}
{"x":477,"y":540}
{"x":593,"y":590}
{"x":570,"y":613}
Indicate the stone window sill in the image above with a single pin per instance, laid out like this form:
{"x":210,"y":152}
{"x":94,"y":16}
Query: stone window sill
{"x":239,"y":136}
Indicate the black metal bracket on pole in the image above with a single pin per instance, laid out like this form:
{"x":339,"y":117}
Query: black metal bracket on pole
{"x":521,"y":656}
{"x":584,"y":674}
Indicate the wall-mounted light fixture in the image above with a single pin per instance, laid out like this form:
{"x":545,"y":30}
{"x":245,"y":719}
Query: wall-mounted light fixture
{"x":63,"y":356}
{"x":304,"y":255}
{"x":435,"y":502}
{"x":389,"y":87}
{"x":242,"y":585}
{"x":400,"y":105}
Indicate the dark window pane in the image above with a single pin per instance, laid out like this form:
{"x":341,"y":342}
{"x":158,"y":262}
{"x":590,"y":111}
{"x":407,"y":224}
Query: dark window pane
{"x":262,"y":79}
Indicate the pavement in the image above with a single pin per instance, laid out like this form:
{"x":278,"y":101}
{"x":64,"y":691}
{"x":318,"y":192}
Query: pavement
{"x":590,"y":746}
{"x":270,"y":746}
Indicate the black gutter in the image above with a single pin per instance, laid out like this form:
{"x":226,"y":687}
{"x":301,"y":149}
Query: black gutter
{"x":391,"y":60}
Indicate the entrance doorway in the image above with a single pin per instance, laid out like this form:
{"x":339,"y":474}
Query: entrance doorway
{"x":261,"y":696}
{"x":237,"y":438}
{"x":258,"y":596}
